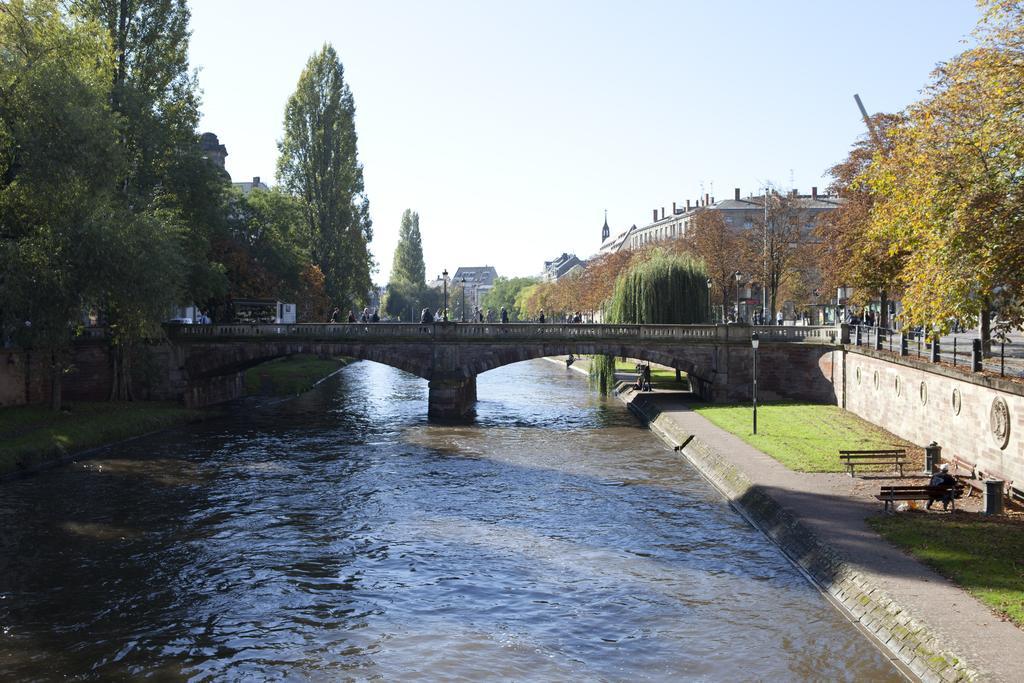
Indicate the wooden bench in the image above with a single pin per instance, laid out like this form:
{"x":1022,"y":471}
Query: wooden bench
{"x":894,"y":457}
{"x":891,"y":494}
{"x":975,"y":478}
{"x":966,"y":471}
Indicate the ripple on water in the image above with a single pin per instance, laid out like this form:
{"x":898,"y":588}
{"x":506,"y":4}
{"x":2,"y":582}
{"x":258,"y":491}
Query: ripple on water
{"x":341,"y":536}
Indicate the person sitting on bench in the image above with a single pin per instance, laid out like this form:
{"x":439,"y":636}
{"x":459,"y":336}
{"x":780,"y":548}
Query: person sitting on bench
{"x":946,"y":480}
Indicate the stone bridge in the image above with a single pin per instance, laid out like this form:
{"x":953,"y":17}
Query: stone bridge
{"x":794,"y":362}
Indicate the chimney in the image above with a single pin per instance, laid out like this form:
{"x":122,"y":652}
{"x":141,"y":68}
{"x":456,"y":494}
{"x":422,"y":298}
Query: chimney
{"x":655,"y":219}
{"x":707,"y":199}
{"x":687,"y":204}
{"x":737,"y":194}
{"x":673,"y":208}
{"x":663,"y":212}
{"x":814,"y":193}
{"x":255,"y":181}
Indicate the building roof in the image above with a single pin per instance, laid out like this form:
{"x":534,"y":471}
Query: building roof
{"x":561,"y":265}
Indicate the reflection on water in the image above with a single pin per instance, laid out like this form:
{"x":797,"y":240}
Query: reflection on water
{"x":341,"y":536}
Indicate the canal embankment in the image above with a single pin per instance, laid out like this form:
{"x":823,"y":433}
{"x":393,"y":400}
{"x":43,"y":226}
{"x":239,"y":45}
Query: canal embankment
{"x":819,"y":520}
{"x":35,"y":438}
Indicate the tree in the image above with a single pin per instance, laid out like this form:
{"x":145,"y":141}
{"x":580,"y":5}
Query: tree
{"x":504,"y":294}
{"x":407,"y":290}
{"x":55,"y":155}
{"x":319,"y":163}
{"x":846,"y":251}
{"x":711,"y":240}
{"x":948,"y":192}
{"x":773,"y":246}
{"x":152,"y":88}
{"x":666,"y":289}
{"x":408,"y":264}
{"x":164,"y":191}
{"x":263,"y":251}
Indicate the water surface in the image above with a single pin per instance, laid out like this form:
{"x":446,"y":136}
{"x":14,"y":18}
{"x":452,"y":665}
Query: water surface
{"x":340,"y":536}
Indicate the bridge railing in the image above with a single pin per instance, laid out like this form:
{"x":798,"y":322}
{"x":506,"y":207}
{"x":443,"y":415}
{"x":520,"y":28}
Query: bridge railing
{"x":498,"y":332}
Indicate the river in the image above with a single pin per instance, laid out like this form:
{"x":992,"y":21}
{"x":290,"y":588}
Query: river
{"x":339,"y":536}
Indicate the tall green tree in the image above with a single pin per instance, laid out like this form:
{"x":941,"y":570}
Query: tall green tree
{"x":319,"y":162}
{"x":408,"y":265}
{"x":165,"y":192}
{"x":505,"y":294}
{"x":666,"y":289}
{"x":407,"y":290}
{"x":152,"y":87}
{"x":56,"y":129}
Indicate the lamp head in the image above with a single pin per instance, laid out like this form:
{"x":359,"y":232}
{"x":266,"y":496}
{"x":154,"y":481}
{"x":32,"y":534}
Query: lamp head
{"x":737,"y":275}
{"x":444,"y":273}
{"x":754,"y":340}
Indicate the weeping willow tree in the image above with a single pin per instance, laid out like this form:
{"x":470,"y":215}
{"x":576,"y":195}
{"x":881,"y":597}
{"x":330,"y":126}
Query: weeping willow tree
{"x":666,"y":289}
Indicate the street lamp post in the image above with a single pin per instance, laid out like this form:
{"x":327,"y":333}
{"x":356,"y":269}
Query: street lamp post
{"x":711,"y":311}
{"x":754,"y":341}
{"x":444,"y":274}
{"x":463,"y":298}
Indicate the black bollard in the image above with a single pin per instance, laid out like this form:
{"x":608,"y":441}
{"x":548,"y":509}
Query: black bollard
{"x":993,"y":496}
{"x":932,"y":456}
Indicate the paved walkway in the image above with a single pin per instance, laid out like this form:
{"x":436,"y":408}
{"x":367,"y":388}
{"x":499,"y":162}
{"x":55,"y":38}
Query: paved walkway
{"x":834,"y":507}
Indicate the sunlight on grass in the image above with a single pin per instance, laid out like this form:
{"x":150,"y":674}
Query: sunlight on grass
{"x":29,"y":436}
{"x":985,"y":557}
{"x":291,"y":375}
{"x":802,"y":436}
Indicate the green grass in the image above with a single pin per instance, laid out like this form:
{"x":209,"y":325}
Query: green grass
{"x":290,"y":375}
{"x":985,"y":557}
{"x":661,"y":378}
{"x":30,"y":435}
{"x":803,"y":437}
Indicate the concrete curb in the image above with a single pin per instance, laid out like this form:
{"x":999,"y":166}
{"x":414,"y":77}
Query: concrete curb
{"x":892,"y":627}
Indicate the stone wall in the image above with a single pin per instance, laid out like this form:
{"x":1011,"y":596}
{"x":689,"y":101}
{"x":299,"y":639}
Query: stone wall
{"x":978,"y":418}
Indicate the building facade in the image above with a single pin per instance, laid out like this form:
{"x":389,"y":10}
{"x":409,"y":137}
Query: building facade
{"x":561,"y":266}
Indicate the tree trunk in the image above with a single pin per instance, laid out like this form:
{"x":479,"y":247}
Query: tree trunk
{"x":679,"y":375}
{"x":121,"y":384}
{"x":55,"y":383}
{"x":985,"y":327}
{"x":883,"y":311}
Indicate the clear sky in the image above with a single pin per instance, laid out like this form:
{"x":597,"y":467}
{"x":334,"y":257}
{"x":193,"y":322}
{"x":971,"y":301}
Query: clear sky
{"x":511,"y":126}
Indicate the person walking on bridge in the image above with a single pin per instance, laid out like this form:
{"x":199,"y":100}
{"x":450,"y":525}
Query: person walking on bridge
{"x":504,"y":316}
{"x":427,"y":316}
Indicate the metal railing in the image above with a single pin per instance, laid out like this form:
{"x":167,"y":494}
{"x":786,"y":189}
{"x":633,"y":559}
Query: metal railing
{"x":503,"y":332}
{"x":1004,"y":357}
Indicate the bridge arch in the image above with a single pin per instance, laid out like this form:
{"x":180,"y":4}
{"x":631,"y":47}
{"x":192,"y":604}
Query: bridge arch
{"x":207,"y":359}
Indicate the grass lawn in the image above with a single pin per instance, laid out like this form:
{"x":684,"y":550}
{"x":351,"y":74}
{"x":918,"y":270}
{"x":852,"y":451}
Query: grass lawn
{"x":32,"y":435}
{"x":983,"y":556}
{"x":802,"y":436}
{"x":290,"y":375}
{"x":661,"y":378}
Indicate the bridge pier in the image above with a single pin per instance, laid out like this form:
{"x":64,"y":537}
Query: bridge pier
{"x":451,"y":398}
